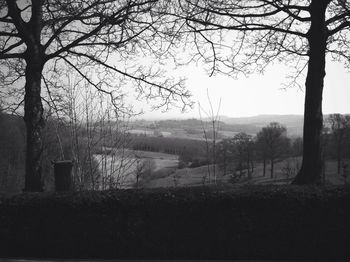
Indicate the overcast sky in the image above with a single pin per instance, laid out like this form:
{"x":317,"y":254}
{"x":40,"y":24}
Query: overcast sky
{"x":259,"y":94}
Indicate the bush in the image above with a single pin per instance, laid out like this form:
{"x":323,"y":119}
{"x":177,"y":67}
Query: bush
{"x":255,"y":222}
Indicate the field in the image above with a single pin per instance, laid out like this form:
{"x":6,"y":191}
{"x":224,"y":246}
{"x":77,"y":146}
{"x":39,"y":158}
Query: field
{"x":165,"y":172}
{"x":284,"y":173}
{"x":128,"y":159}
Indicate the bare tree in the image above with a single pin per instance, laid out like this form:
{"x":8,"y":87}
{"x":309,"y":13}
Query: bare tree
{"x":225,"y":154}
{"x":210,"y":134}
{"x":339,"y":125}
{"x":243,"y":152}
{"x":94,"y":38}
{"x":260,"y":32}
{"x":274,"y":142}
{"x":144,"y":169}
{"x":99,"y":139}
{"x":261,"y":148}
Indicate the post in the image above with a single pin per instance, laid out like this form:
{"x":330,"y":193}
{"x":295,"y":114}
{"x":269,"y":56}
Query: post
{"x":63,"y":175}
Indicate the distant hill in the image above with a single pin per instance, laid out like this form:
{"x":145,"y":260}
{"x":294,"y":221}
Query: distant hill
{"x":250,"y":125}
{"x":293,"y":123}
{"x":259,"y":119}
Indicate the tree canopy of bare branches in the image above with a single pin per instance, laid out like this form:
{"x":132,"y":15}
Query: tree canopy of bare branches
{"x":240,"y":37}
{"x":93,"y":38}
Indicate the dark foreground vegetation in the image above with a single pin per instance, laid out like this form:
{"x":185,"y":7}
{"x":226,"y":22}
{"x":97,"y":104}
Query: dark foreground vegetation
{"x":254,"y":222}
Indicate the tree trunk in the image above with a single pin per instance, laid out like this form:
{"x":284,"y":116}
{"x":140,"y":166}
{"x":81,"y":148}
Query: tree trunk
{"x":248,"y":169}
{"x":248,"y":164}
{"x":264,"y":171}
{"x":33,"y":117}
{"x":271,"y":170}
{"x":225,"y":164}
{"x":339,"y":158}
{"x":310,"y":172}
{"x":240,"y":169}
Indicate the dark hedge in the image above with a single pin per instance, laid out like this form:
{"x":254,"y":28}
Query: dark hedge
{"x":255,"y":222}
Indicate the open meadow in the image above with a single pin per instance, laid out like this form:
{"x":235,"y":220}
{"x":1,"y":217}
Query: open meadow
{"x":284,"y":173}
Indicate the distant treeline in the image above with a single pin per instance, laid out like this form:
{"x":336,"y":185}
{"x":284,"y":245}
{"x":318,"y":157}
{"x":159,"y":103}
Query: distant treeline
{"x":195,"y":124}
{"x":169,"y":145}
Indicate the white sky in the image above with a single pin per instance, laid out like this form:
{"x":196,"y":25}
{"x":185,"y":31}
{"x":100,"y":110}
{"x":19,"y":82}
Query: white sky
{"x":259,"y":94}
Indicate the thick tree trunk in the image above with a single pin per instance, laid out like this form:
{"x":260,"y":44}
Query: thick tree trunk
{"x":311,"y":169}
{"x":33,"y":117}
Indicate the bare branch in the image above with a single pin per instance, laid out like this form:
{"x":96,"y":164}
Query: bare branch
{"x":340,"y":27}
{"x":11,"y":56}
{"x":15,"y":13}
{"x":141,"y":78}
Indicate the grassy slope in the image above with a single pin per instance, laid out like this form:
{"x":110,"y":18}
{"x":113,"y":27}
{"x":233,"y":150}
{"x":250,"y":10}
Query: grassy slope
{"x":194,"y":176}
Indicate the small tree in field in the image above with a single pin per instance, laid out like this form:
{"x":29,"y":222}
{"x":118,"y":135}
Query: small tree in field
{"x":144,"y":168}
{"x":210,"y":129}
{"x":243,"y":151}
{"x":39,"y":39}
{"x":225,"y":154}
{"x":274,"y":143}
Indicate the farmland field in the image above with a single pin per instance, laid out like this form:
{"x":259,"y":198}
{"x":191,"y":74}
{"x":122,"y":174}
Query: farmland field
{"x":123,"y":164}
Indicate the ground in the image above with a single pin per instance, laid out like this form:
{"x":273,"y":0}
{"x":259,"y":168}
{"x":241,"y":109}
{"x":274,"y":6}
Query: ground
{"x":284,"y":172}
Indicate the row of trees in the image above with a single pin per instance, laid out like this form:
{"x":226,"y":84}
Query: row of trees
{"x":271,"y":144}
{"x":169,"y":145}
{"x":242,"y":151}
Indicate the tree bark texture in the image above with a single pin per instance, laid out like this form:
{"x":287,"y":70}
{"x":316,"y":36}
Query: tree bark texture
{"x":33,"y":117}
{"x":311,"y":169}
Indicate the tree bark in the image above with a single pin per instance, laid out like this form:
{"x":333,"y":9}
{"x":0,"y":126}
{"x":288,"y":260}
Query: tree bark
{"x":33,"y":117}
{"x":311,"y":169}
{"x":248,"y":169}
{"x":225,"y":164}
{"x":271,"y":170}
{"x":264,"y":170}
